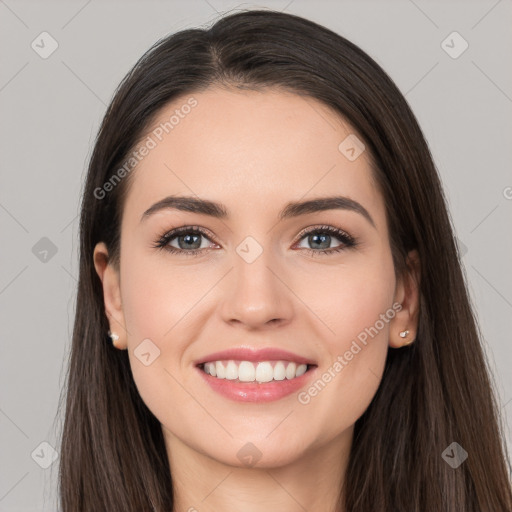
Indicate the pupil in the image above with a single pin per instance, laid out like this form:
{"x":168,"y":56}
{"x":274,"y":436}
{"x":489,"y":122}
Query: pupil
{"x":325,"y":237}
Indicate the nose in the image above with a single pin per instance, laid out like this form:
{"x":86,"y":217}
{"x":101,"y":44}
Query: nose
{"x":256,"y":296}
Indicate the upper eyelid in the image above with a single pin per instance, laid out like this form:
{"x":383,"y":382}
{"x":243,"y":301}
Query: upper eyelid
{"x":187,"y":229}
{"x":319,"y":227}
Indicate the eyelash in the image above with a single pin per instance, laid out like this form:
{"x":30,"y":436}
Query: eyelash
{"x":347,"y":240}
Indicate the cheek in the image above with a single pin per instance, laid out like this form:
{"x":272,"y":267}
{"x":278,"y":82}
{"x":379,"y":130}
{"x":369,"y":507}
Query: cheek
{"x":145,"y":298}
{"x":157,"y":293}
{"x":351,"y":298}
{"x":154,"y":307}
{"x":161,"y":302}
{"x":356,"y":305}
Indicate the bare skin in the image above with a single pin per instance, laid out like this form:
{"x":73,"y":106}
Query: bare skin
{"x":254,"y":152}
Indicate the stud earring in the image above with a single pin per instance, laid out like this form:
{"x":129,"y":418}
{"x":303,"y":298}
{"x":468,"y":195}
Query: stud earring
{"x":404,"y":334}
{"x":114,"y":337}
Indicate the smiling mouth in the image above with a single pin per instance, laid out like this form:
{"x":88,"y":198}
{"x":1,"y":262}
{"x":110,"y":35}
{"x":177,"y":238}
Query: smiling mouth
{"x":248,"y":371}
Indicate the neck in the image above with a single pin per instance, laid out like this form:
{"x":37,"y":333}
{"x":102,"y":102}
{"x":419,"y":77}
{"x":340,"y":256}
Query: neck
{"x":311,"y":481}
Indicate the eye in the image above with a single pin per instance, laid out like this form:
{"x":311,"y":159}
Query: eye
{"x":321,"y":237}
{"x":188,"y":240}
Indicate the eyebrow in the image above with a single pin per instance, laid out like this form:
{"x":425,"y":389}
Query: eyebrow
{"x":291,"y":210}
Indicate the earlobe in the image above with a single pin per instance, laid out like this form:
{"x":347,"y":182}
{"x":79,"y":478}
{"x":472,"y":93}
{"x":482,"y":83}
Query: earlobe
{"x":404,"y":326}
{"x":109,"y":277}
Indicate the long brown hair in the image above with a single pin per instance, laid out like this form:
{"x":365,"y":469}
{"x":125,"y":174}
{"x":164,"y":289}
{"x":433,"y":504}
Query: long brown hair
{"x":434,"y":392}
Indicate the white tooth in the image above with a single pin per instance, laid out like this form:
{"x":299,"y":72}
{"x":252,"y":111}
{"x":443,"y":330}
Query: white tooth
{"x":279,"y":371}
{"x":301,"y":369}
{"x":264,"y":372}
{"x":290,"y":370}
{"x":219,"y":369}
{"x":231,"y":370}
{"x":246,"y":372}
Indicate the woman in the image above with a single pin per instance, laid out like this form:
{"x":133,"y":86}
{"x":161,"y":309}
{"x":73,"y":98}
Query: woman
{"x":221,"y":359}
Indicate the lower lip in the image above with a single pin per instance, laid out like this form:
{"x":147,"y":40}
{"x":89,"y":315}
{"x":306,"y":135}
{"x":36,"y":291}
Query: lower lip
{"x":254,"y":391}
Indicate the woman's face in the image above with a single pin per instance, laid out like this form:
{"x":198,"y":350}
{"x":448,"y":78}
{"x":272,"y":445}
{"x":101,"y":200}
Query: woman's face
{"x":257,"y":282}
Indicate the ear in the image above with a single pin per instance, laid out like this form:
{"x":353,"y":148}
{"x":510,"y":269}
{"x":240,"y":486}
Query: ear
{"x":407,"y":293}
{"x":111,"y":293}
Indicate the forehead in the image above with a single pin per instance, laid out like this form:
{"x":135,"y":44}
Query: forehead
{"x":251,"y":149}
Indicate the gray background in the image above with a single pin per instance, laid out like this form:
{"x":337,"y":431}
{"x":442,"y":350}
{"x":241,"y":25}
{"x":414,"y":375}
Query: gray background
{"x":51,"y":109}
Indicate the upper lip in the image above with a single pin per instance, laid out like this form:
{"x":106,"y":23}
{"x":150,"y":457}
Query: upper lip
{"x":255,"y":355}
